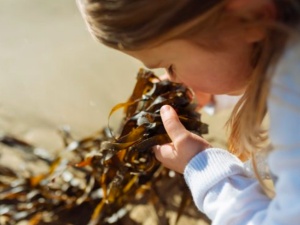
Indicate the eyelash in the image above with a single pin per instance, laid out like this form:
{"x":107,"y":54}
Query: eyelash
{"x":171,"y":70}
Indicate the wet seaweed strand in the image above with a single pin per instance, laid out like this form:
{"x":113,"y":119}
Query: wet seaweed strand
{"x":102,"y":172}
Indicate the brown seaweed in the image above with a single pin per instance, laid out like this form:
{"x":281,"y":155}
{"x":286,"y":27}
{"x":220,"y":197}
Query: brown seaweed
{"x":102,"y":174}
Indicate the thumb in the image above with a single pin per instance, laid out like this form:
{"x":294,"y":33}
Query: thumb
{"x":173,"y":126}
{"x":180,"y":136}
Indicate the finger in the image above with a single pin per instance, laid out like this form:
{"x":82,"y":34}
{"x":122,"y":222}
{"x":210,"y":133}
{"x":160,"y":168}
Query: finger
{"x":172,"y":124}
{"x":168,"y":156}
{"x":163,"y":152}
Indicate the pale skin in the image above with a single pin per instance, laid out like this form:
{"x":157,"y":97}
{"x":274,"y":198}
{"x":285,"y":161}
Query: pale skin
{"x":225,"y":70}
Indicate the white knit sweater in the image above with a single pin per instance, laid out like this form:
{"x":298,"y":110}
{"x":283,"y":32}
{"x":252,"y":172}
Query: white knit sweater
{"x":219,"y":183}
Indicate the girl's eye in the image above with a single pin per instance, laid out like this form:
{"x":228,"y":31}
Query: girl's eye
{"x":171,"y":72}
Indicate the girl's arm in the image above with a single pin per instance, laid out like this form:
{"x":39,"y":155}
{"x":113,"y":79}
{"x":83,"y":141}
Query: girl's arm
{"x":216,"y":178}
{"x":221,"y":189}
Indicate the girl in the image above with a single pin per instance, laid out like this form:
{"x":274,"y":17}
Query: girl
{"x":234,"y":47}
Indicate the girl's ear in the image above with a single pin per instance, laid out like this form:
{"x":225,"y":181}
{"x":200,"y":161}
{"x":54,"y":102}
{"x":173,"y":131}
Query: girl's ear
{"x":264,"y":8}
{"x":255,"y":10}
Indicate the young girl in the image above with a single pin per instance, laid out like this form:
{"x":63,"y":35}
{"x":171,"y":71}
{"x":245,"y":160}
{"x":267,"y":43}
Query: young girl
{"x":234,"y":47}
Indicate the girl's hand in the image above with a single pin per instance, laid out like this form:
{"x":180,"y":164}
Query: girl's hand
{"x":185,"y":145}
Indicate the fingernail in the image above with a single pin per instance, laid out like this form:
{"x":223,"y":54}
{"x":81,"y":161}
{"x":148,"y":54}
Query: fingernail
{"x":165,"y":109}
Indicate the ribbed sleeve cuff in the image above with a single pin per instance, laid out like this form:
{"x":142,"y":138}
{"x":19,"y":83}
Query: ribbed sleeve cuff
{"x":207,"y":169}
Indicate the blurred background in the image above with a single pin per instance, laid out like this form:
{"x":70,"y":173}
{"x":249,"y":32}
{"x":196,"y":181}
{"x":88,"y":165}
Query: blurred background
{"x":52,"y":73}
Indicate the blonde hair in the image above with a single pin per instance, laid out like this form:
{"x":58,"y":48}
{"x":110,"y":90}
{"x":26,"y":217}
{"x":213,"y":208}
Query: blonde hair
{"x":133,"y":25}
{"x":247,"y":136}
{"x":143,"y":23}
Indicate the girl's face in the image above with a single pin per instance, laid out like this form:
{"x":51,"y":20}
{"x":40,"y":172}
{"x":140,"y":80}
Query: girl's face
{"x":224,"y":70}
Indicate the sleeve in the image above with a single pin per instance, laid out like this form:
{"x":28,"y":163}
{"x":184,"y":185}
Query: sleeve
{"x":218,"y":182}
{"x":221,"y":189}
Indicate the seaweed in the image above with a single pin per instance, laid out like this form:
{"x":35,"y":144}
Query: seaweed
{"x":98,"y":179}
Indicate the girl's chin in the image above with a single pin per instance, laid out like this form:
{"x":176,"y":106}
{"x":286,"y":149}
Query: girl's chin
{"x":203,"y":99}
